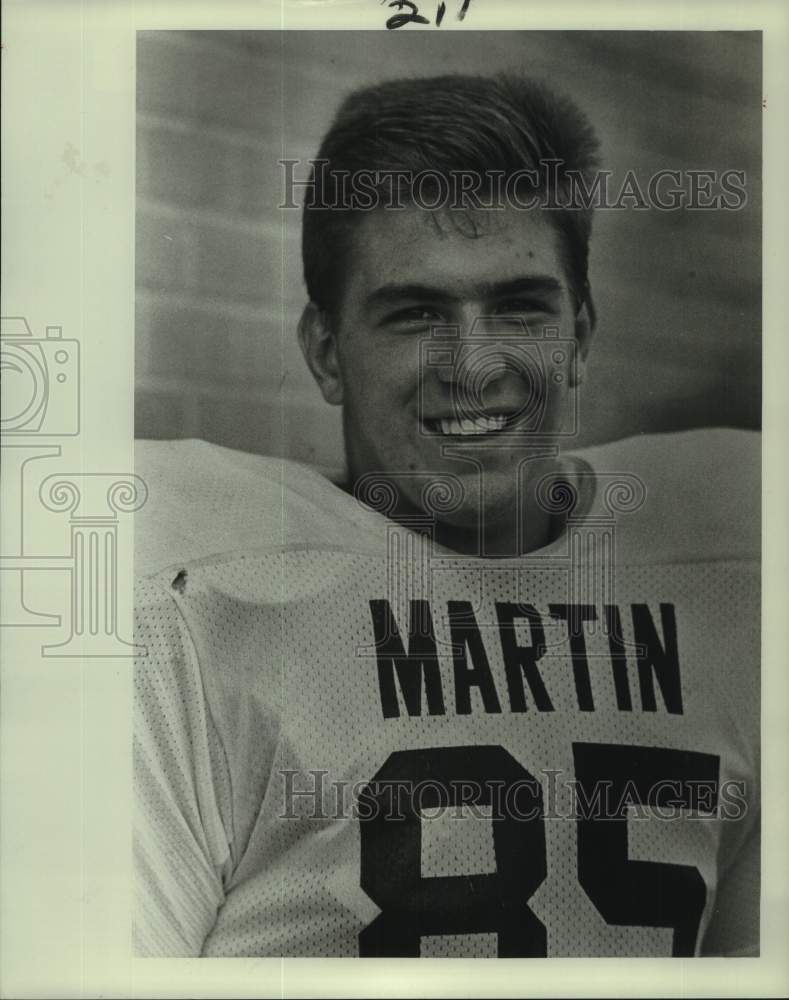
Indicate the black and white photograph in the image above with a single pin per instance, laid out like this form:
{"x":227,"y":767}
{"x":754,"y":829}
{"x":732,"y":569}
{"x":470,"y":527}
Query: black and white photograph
{"x":448,"y":405}
{"x":393,"y":538}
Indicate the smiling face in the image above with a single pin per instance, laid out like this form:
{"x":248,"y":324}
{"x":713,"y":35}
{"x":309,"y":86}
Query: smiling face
{"x":418,"y":405}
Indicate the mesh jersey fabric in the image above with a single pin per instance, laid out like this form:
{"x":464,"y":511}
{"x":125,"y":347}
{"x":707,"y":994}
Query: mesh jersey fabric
{"x":266,"y":711}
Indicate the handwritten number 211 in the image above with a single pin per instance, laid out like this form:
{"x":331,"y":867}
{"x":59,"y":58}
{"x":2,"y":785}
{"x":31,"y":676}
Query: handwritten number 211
{"x":414,"y":17}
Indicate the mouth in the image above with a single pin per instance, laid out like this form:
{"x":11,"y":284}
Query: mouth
{"x":492,"y":423}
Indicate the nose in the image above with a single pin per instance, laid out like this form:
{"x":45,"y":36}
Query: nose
{"x":490,"y":360}
{"x":487,"y":361}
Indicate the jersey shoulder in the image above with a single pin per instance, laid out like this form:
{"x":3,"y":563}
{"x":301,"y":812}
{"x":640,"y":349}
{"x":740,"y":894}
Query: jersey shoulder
{"x":701,"y":501}
{"x":697,"y":494}
{"x":208,"y":501}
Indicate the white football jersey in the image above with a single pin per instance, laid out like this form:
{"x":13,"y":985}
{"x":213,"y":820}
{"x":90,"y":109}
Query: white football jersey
{"x":351,"y":742}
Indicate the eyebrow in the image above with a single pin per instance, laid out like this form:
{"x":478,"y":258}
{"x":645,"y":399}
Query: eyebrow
{"x":542,"y":284}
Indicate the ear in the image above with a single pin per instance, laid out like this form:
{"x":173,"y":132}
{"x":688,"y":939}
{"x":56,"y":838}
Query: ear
{"x":585,"y":323}
{"x":319,"y":347}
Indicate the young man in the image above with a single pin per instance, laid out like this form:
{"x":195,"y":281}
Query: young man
{"x":483,"y":697}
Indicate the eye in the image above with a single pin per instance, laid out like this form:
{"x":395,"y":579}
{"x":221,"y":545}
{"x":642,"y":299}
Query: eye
{"x":414,"y":316}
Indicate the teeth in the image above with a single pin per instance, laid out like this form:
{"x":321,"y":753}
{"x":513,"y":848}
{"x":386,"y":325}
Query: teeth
{"x":465,"y":426}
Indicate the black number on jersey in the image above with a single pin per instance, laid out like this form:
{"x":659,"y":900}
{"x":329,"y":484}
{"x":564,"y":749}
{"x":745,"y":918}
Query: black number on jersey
{"x":625,"y":892}
{"x":391,"y":854}
{"x":641,"y":893}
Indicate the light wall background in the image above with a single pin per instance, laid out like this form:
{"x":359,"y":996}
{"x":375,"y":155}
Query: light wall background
{"x":218,"y":268}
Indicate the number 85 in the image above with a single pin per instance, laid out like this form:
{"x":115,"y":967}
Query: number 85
{"x":625,"y":892}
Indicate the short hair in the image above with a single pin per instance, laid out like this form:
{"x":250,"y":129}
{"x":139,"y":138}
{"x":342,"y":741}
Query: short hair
{"x":454,"y":123}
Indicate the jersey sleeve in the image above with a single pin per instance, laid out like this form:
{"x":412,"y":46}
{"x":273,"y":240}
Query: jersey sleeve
{"x":181,"y":850}
{"x":733,"y":931}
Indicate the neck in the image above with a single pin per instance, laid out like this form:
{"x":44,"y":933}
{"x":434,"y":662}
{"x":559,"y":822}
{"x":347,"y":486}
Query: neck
{"x":524,"y":527}
{"x":501,"y":538}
